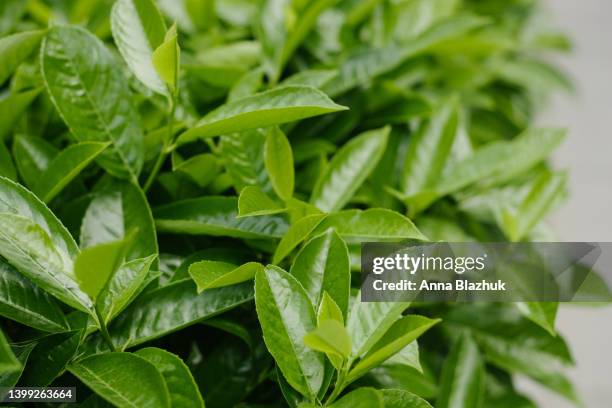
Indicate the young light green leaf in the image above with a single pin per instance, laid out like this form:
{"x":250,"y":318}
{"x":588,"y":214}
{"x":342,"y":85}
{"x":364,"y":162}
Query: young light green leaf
{"x":462,"y":383}
{"x":322,"y":266}
{"x":286,"y":316}
{"x":349,"y":168}
{"x":65,"y":167}
{"x":273,"y":107}
{"x":373,"y":224}
{"x":360,"y":398}
{"x":166,"y":59}
{"x":124,"y":286}
{"x":369,"y":321}
{"x":328,"y":309}
{"x":123,"y":379}
{"x":399,"y":335}
{"x":216,"y":216}
{"x":247,"y":85}
{"x":12,"y":107}
{"x":429,"y":151}
{"x":316,"y":78}
{"x":15,"y":48}
{"x":27,"y":304}
{"x":32,"y":157}
{"x":95,"y":265}
{"x":297,"y":233}
{"x":138,"y":29}
{"x":172,"y":307}
{"x":34,"y":241}
{"x":330,"y":337}
{"x":215,"y":274}
{"x":8,"y":361}
{"x":92,"y":96}
{"x":254,"y":201}
{"x":403,"y":399}
{"x":278,"y":158}
{"x":182,"y":388}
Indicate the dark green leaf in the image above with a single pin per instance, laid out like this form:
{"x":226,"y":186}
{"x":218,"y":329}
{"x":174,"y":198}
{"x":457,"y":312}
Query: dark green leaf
{"x":15,"y":48}
{"x":215,"y":274}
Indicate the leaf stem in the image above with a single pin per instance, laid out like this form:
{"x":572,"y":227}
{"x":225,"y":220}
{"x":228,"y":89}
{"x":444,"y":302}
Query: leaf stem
{"x":104,"y":329}
{"x":164,"y":150}
{"x":339,"y":386}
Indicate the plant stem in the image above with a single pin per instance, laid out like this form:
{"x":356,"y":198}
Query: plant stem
{"x":338,"y":387}
{"x":167,"y":141}
{"x":104,"y":330}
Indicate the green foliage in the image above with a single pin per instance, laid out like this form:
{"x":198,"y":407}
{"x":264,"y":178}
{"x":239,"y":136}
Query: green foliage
{"x":164,"y":163}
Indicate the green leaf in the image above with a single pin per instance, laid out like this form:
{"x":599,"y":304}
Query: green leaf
{"x":247,"y":85}
{"x":369,"y":321}
{"x":124,"y":286}
{"x":8,"y":361}
{"x":361,"y":398}
{"x":316,"y":78}
{"x":91,"y":95}
{"x":543,"y":314}
{"x":403,"y":399}
{"x":462,"y":382}
{"x":12,"y":107}
{"x":322,"y":266}
{"x":399,"y":335}
{"x":297,"y":233}
{"x":254,"y":201}
{"x":117,"y":208}
{"x":166,"y":59}
{"x":216,"y":216}
{"x":330,"y":337}
{"x":162,"y":311}
{"x":278,"y":158}
{"x":429,"y":151}
{"x":7,"y":168}
{"x":215,"y":274}
{"x":34,"y":241}
{"x":371,"y":224}
{"x":328,"y":309}
{"x":138,"y":29}
{"x":10,"y":379}
{"x":201,"y":168}
{"x":15,"y":48}
{"x":349,"y":168}
{"x":286,"y":316}
{"x":32,"y":157}
{"x":49,"y":358}
{"x":123,"y":379}
{"x":182,"y":388}
{"x":243,"y":156}
{"x":273,"y":107}
{"x":65,"y":167}
{"x":95,"y":265}
{"x":25,"y":303}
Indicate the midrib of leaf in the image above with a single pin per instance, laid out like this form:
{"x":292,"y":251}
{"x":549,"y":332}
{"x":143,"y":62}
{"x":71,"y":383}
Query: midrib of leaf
{"x":291,"y":342}
{"x":108,"y":386}
{"x":91,"y":103}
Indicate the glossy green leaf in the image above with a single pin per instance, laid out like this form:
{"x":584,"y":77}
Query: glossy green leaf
{"x":182,"y":388}
{"x":543,"y":314}
{"x":8,"y":361}
{"x":12,"y":107}
{"x":273,"y":107}
{"x":10,"y":379}
{"x":89,"y":91}
{"x":399,"y":335}
{"x":429,"y":151}
{"x":166,"y":58}
{"x":123,"y":379}
{"x":175,"y":306}
{"x":286,"y":316}
{"x":7,"y":168}
{"x":462,"y":383}
{"x":247,"y":85}
{"x":32,"y":157}
{"x":361,"y":398}
{"x":371,"y":224}
{"x":297,"y":233}
{"x":330,"y":337}
{"x":37,"y":244}
{"x":215,"y":274}
{"x":65,"y":167}
{"x":254,"y":201}
{"x":369,"y":321}
{"x":349,"y":168}
{"x":138,"y":29}
{"x":243,"y":157}
{"x":279,"y":163}
{"x":328,"y":309}
{"x":403,"y":399}
{"x":322,"y":265}
{"x":216,"y":216}
{"x":316,"y":78}
{"x":201,"y":168}
{"x":25,"y":303}
{"x":15,"y":48}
